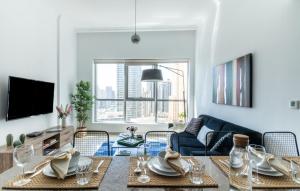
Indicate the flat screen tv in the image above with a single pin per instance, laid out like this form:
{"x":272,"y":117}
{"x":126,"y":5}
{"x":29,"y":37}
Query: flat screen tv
{"x":232,"y":82}
{"x":28,"y":97}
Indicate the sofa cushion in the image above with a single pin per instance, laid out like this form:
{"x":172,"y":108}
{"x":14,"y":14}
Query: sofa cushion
{"x":202,"y":135}
{"x":224,"y":144}
{"x":194,"y":126}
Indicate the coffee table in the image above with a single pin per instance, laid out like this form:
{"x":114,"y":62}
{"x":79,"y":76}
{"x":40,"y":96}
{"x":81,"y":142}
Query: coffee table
{"x":122,"y":150}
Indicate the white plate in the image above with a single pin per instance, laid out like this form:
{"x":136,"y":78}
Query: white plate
{"x":276,"y":173}
{"x":155,"y":167}
{"x":50,"y":173}
{"x":156,"y":164}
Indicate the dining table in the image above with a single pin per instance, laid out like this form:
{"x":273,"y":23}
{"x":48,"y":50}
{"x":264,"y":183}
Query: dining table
{"x":116,"y":177}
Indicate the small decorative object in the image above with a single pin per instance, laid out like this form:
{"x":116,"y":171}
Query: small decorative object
{"x":132,"y":130}
{"x":17,"y":143}
{"x":9,"y":140}
{"x":82,"y":102}
{"x":181,"y":116}
{"x":63,"y":113}
{"x":22,"y":138}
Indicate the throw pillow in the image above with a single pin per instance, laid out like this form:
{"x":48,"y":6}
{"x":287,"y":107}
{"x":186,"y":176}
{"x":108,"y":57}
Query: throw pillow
{"x":194,"y":126}
{"x":202,"y":135}
{"x":224,"y":144}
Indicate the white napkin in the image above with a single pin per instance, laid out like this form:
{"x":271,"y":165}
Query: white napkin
{"x":60,"y":163}
{"x":173,"y":160}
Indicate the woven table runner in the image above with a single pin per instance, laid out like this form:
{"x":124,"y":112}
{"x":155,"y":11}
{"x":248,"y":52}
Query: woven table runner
{"x":164,"y":181}
{"x":268,"y":181}
{"x":69,"y":183}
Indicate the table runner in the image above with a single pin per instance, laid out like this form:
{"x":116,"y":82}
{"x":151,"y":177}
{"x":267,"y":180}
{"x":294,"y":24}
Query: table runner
{"x":164,"y":181}
{"x":69,"y":183}
{"x":268,"y":181}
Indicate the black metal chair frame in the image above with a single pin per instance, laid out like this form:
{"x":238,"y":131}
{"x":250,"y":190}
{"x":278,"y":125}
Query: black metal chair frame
{"x":293,"y":134}
{"x":94,"y":131}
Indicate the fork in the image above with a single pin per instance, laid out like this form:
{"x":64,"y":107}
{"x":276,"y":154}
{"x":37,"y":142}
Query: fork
{"x":97,"y":168}
{"x":28,"y":172}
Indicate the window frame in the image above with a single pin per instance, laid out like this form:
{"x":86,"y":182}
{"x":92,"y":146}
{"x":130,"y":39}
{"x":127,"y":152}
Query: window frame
{"x":132,"y":62}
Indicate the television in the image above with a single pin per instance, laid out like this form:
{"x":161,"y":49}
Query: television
{"x":28,"y":97}
{"x":232,"y":82}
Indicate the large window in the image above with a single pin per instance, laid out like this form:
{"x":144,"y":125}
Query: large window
{"x":121,"y":96}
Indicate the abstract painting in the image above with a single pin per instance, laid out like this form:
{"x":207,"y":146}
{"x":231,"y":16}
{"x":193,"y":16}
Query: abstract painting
{"x":232,"y":82}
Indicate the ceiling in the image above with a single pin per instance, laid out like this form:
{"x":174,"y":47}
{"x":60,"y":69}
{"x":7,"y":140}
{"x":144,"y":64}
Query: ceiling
{"x":97,"y":14}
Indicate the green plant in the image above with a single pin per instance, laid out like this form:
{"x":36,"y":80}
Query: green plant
{"x":9,"y":140}
{"x":181,"y":116}
{"x":82,"y":102}
{"x":17,"y":143}
{"x":22,"y":138}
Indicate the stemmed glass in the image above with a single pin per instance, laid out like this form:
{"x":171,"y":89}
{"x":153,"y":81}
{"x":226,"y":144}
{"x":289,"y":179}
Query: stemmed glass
{"x":22,"y":155}
{"x":143,"y":160}
{"x":257,"y":154}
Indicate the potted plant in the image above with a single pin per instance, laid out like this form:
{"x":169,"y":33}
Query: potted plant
{"x":63,"y":113}
{"x":82,"y":102}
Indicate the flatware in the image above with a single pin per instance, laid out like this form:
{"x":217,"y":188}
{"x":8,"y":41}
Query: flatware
{"x":97,"y":169}
{"x":29,"y":172}
{"x":37,"y":173}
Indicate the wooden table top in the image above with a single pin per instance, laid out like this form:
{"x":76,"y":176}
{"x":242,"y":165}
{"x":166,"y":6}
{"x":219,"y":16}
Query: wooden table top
{"x":116,"y":176}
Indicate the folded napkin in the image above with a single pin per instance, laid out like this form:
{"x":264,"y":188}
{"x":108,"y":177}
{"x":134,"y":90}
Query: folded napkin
{"x":60,"y":163}
{"x":173,"y":160}
{"x":279,"y":164}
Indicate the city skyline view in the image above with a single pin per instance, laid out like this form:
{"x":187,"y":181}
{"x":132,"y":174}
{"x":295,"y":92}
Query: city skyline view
{"x":138,"y":104}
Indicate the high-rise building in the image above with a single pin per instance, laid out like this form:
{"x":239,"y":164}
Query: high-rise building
{"x":120,"y":86}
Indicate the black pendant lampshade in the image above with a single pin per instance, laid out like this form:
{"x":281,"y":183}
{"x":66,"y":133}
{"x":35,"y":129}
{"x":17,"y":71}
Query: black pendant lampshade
{"x":152,"y":75}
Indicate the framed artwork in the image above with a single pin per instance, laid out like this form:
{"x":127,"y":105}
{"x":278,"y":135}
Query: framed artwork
{"x":232,"y":82}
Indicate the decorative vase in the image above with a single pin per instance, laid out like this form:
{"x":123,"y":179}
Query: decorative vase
{"x":132,"y":134}
{"x":81,"y":134}
{"x":63,"y":122}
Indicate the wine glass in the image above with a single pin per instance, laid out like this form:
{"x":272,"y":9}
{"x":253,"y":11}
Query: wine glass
{"x":22,"y":155}
{"x":257,"y":154}
{"x":143,"y":160}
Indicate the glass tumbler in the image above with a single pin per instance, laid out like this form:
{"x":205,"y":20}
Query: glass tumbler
{"x":84,"y":171}
{"x":197,"y":173}
{"x":295,"y":172}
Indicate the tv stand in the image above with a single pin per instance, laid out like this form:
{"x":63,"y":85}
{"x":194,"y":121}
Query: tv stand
{"x":45,"y":144}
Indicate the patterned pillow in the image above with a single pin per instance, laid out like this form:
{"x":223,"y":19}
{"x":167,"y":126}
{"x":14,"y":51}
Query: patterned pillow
{"x":194,"y":126}
{"x":224,"y":144}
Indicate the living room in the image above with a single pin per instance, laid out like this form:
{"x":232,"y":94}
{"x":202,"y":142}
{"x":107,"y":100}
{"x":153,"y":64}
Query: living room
{"x":65,"y":42}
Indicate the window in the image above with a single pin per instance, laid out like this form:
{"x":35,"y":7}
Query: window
{"x":120,"y":95}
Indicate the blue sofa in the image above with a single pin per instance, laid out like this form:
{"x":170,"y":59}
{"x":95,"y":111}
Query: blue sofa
{"x":187,"y":144}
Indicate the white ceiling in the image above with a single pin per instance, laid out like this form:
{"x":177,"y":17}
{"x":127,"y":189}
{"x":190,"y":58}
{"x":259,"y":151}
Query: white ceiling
{"x":91,"y":14}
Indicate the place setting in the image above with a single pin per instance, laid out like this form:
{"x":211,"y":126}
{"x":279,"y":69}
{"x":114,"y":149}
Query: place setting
{"x":168,"y":169}
{"x":268,"y":171}
{"x":66,"y":170}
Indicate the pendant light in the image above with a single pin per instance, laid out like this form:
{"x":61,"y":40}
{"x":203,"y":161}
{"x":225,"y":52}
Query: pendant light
{"x":135,"y":38}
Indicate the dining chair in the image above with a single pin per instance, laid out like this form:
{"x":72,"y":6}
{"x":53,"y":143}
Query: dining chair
{"x":157,"y":141}
{"x":92,"y":143}
{"x":281,"y":143}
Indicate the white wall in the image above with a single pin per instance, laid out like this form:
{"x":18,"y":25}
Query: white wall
{"x":28,"y":49}
{"x":117,"y":45}
{"x":271,"y":31}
